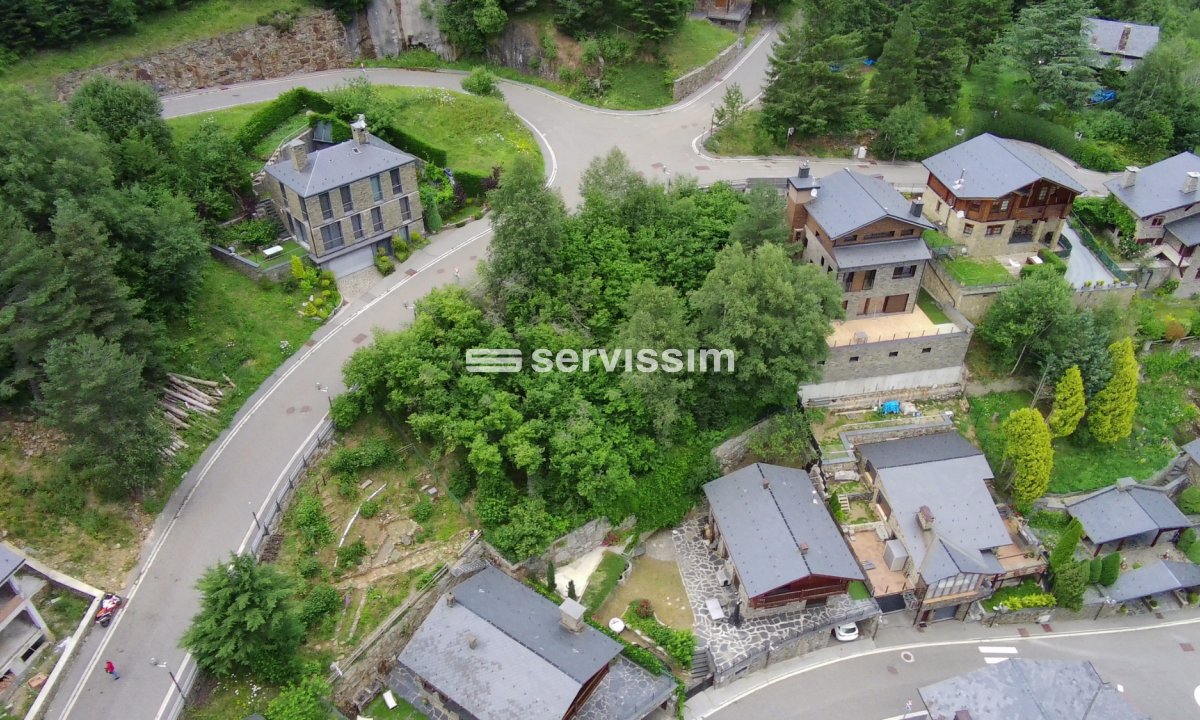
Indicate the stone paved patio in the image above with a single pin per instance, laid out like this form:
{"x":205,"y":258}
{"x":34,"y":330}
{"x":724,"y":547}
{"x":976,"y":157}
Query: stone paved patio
{"x":730,"y":645}
{"x":627,"y":692}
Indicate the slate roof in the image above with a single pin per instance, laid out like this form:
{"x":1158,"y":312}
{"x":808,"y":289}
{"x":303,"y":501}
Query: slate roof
{"x":1104,"y":36}
{"x":1028,"y":690}
{"x":917,"y":450}
{"x":966,"y":525}
{"x":525,"y":664}
{"x":1186,"y":229}
{"x":892,"y":252}
{"x":10,"y":562}
{"x":994,"y":167}
{"x":1159,"y":187}
{"x":848,"y":201}
{"x":338,"y":165}
{"x":1125,"y":510}
{"x":1193,"y":450}
{"x":764,"y":528}
{"x":1159,"y":577}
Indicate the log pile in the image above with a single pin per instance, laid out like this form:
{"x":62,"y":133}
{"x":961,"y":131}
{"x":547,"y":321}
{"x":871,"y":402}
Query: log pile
{"x":187,"y":401}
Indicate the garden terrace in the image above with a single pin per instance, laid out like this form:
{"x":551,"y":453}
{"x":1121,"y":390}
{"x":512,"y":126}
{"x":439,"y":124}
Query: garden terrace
{"x":881,"y":328}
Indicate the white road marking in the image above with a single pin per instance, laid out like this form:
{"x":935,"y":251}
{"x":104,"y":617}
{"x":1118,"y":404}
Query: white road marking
{"x":994,"y":660}
{"x":1007,"y":650}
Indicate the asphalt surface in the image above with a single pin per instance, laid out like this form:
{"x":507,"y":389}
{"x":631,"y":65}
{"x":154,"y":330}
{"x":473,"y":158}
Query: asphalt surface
{"x":210,"y":514}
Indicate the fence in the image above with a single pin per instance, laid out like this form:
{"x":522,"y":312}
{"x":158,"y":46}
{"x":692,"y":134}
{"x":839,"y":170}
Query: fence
{"x":272,"y":508}
{"x":864,"y":338}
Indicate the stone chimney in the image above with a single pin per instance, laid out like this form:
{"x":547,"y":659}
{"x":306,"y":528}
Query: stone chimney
{"x":1124,"y":41}
{"x":804,"y":169}
{"x":299,"y":153}
{"x":803,"y":548}
{"x":916,"y":207}
{"x":1129,"y":179}
{"x":1191,"y":182}
{"x":765,"y":482}
{"x":925,"y":517}
{"x":571,"y":615}
{"x":358,"y":129}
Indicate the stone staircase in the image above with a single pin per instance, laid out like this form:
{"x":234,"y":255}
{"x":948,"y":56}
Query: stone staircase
{"x":701,"y":666}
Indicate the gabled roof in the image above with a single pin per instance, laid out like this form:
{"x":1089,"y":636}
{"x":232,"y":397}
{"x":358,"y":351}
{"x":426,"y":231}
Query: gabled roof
{"x":1105,"y":37}
{"x":1186,"y":229}
{"x":10,"y":562}
{"x":1159,"y":577}
{"x":847,"y":201}
{"x":891,"y":252}
{"x":1028,"y":690}
{"x":338,"y":165}
{"x":992,"y":167}
{"x":1159,"y":187}
{"x":1125,"y":510}
{"x":764,"y":528}
{"x":917,"y":450}
{"x":525,"y":664}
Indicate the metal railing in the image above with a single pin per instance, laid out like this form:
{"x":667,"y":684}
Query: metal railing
{"x":277,"y":501}
{"x":888,"y":337}
{"x":1089,"y":241}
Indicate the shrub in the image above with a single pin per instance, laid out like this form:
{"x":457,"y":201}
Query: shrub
{"x":1094,"y":570}
{"x":1189,"y":500}
{"x":322,"y":600}
{"x":644,"y":609}
{"x":1110,"y":569}
{"x":1034,"y":600}
{"x":282,"y":20}
{"x":345,"y":411}
{"x":1169,"y":286}
{"x":308,"y":567}
{"x":418,"y":241}
{"x":384,"y":264}
{"x":1064,"y":552}
{"x":1193,"y":597}
{"x":371,"y":454}
{"x":352,"y":555}
{"x":252,"y":233}
{"x":422,"y":511}
{"x":481,"y":81}
{"x":1070,"y":581}
{"x":310,"y":519}
{"x":1187,"y":539}
{"x":369,"y":509}
{"x":679,"y":644}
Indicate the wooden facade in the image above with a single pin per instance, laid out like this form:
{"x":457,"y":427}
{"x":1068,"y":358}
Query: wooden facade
{"x":1043,"y":200}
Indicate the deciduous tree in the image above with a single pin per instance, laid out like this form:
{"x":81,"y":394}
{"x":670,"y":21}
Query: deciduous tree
{"x":127,"y":116}
{"x":214,"y":179}
{"x":900,"y":132}
{"x":1069,"y":404}
{"x":1024,"y":312}
{"x":1110,"y":417}
{"x":1027,"y":444}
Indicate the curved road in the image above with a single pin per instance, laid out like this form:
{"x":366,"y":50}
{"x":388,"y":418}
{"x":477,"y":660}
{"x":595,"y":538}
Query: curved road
{"x":210,"y":513}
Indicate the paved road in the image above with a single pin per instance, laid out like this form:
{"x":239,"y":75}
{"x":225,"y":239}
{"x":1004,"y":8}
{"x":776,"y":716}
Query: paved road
{"x":1083,"y":266}
{"x":1150,"y":665}
{"x":210,"y":514}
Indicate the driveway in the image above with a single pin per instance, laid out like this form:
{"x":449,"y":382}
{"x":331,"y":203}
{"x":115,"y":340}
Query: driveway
{"x":1083,"y":266}
{"x":210,"y":514}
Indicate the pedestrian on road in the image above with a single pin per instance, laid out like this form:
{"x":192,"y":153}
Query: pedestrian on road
{"x":112,"y":670}
{"x":456,"y":275}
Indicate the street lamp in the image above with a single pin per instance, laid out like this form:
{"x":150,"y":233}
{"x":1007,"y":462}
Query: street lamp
{"x":163,"y":665}
{"x":1000,"y":609}
{"x":328,"y":397}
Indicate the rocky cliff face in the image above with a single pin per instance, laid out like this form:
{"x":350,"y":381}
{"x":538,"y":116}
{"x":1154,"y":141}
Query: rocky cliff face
{"x":315,"y":42}
{"x":398,"y":25}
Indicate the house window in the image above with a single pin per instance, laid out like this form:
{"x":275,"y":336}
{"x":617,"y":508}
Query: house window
{"x":869,"y":280}
{"x":405,"y":210}
{"x":926,"y":350}
{"x":347,"y":200}
{"x":853,"y":358}
{"x":939,"y":206}
{"x":894,"y":353}
{"x":907,"y":231}
{"x":304,"y":208}
{"x":326,"y":206}
{"x":376,"y":188}
{"x":331,"y":234}
{"x":356,"y":222}
{"x":847,"y":281}
{"x":376,"y":219}
{"x":1004,"y":205}
{"x":291,"y":223}
{"x":968,"y":228}
{"x":975,"y":206}
{"x":1157,"y":222}
{"x":397,"y":186}
{"x":904,"y":272}
{"x":879,"y":235}
{"x":283,"y":192}
{"x":994,"y":230}
{"x":1042,"y":195}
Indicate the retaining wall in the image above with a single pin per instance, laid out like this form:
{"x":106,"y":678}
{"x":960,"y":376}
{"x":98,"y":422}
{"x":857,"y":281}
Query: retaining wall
{"x":704,"y":74}
{"x":249,"y":268}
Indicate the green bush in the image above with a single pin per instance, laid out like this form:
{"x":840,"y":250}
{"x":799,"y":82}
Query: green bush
{"x":322,"y":600}
{"x":339,"y":129}
{"x":353,"y":554}
{"x":384,"y":264}
{"x":422,"y":511}
{"x":345,"y":411}
{"x":1095,"y":566}
{"x":1189,"y":500}
{"x":310,"y":520}
{"x":481,"y":81}
{"x":309,"y":567}
{"x":1064,"y":552}
{"x":603,"y":580}
{"x":1034,"y":600}
{"x":411,"y":145}
{"x":1110,"y":569}
{"x":371,"y":454}
{"x":369,"y":509}
{"x":679,"y":644}
{"x":251,"y":233}
{"x":269,"y":117}
{"x":1096,"y":156}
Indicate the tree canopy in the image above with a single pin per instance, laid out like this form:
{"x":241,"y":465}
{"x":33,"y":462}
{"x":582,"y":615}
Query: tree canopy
{"x":811,"y":83}
{"x":1111,"y":414}
{"x":1025,"y":312}
{"x":1027,"y":444}
{"x":1069,"y":404}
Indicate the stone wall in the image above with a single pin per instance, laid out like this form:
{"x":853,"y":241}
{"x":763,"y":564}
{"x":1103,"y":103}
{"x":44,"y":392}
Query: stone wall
{"x":704,"y":74}
{"x":891,"y":357}
{"x":972,"y":302}
{"x":1093,"y":297}
{"x":249,"y":268}
{"x":732,"y":452}
{"x":315,"y":42}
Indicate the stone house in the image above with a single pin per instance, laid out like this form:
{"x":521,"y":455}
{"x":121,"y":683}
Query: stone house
{"x":998,"y":197}
{"x":782,"y":549}
{"x":1164,"y":198}
{"x":946,"y":539}
{"x":22,"y":630}
{"x":1124,"y":43}
{"x":493,"y":649}
{"x":346,"y":202}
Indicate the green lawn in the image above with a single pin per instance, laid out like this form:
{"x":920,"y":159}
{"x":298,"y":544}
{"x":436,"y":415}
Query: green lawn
{"x":858,"y":590}
{"x":986,"y":413}
{"x":231,"y":120}
{"x":697,"y":42}
{"x":403,"y":711}
{"x":290,"y":249}
{"x":638,"y":86}
{"x":928,"y":306}
{"x":972,"y":272}
{"x":935,"y":240}
{"x":602,"y":581}
{"x":200,"y":20}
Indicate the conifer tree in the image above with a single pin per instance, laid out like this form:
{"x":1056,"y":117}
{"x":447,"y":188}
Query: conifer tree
{"x":1069,"y":403}
{"x":1111,"y":416}
{"x":1027,"y":444}
{"x":895,"y":79}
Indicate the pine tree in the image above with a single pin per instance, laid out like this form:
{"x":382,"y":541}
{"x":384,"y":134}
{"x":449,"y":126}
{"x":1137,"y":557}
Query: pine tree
{"x":1111,"y":414}
{"x":571,"y":590}
{"x":1095,"y":569}
{"x":1027,"y":444}
{"x":811,"y":83}
{"x":1064,"y":551}
{"x":895,"y":80}
{"x":941,"y":55}
{"x":247,"y":622}
{"x":1070,"y":581}
{"x":551,"y":582}
{"x":1048,"y":42}
{"x":1110,"y":568}
{"x":1069,"y":403}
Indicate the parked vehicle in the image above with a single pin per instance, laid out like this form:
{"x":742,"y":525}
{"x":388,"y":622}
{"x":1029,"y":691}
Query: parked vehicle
{"x":108,"y":609}
{"x":846,"y":633}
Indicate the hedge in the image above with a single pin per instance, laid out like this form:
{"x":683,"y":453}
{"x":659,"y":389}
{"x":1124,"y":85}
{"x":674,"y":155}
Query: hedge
{"x":679,"y":644}
{"x":411,"y":145}
{"x":264,"y":121}
{"x":1020,"y":126}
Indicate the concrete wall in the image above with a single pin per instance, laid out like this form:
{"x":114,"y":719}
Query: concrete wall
{"x":894,"y":357}
{"x":1093,"y":297}
{"x":703,"y":75}
{"x":315,"y":42}
{"x":864,"y":392}
{"x":972,"y":302}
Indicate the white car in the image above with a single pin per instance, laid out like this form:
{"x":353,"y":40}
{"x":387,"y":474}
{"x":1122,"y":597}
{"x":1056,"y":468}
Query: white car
{"x":846,"y":633}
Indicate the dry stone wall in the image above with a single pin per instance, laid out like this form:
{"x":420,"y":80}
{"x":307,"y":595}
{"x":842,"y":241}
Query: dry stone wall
{"x":315,"y":42}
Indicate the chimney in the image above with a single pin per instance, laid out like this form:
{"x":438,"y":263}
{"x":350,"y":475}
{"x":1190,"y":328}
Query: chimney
{"x":1191,"y":183}
{"x":450,"y":599}
{"x":358,"y":129}
{"x":471,"y":641}
{"x":925,"y":517}
{"x":804,"y":169}
{"x":571,"y":615}
{"x":803,"y":548}
{"x":299,"y":154}
{"x":1129,"y":179}
{"x":915,"y":209}
{"x":1124,"y":37}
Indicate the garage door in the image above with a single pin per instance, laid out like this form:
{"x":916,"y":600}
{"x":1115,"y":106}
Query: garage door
{"x":895,"y":303}
{"x":891,"y":603}
{"x":351,"y":262}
